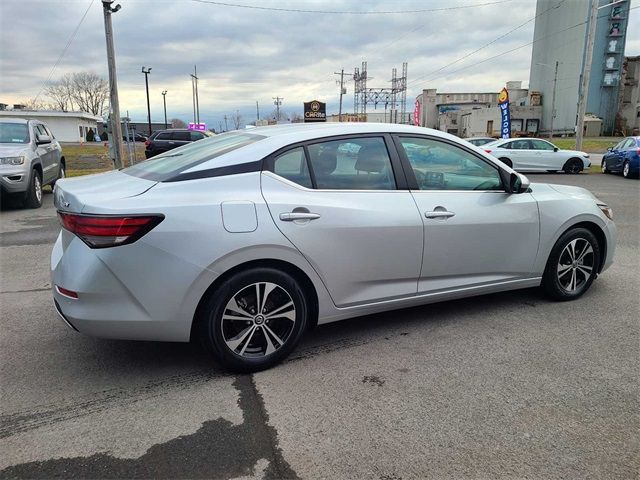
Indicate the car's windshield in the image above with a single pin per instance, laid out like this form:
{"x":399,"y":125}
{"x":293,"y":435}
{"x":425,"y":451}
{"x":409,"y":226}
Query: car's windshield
{"x":14,"y":133}
{"x":173,"y":162}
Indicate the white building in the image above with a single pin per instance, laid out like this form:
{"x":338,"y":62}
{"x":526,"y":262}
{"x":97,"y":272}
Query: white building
{"x":65,"y":126}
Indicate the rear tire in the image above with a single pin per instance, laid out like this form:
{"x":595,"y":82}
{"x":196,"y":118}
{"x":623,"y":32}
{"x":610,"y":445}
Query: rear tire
{"x":626,"y":170}
{"x":254,"y":319}
{"x":61,"y":174}
{"x":573,"y":166}
{"x":506,"y":161}
{"x":572,"y":266}
{"x":33,"y":198}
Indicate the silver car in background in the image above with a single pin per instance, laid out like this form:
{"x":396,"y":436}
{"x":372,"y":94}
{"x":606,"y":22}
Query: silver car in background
{"x":245,"y":240}
{"x":30,"y":158}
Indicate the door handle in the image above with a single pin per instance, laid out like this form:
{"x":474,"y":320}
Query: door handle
{"x":292,"y":216}
{"x":439,"y":214}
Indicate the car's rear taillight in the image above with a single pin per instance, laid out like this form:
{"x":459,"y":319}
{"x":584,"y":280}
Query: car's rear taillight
{"x":147,"y":143}
{"x":102,"y":231}
{"x":488,"y":150}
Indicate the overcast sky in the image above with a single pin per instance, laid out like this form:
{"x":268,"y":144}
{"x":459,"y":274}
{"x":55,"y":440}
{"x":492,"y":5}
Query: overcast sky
{"x":244,"y":55}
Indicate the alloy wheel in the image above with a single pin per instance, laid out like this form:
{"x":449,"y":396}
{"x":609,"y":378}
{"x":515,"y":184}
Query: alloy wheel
{"x":258,"y":320}
{"x":573,"y":167}
{"x":575,"y":265}
{"x":625,"y":169}
{"x":37,"y":187}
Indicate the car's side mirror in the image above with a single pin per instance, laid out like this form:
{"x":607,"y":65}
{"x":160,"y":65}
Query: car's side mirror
{"x":42,"y":139}
{"x":555,"y":149}
{"x":609,"y":149}
{"x":514,"y":182}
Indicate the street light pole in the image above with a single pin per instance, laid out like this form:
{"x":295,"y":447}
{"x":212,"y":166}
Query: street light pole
{"x":114,"y":107}
{"x":164,"y":101}
{"x":146,"y":72}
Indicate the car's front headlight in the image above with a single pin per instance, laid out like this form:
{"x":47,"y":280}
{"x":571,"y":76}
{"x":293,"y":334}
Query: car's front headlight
{"x":606,"y":210}
{"x":585,"y":155}
{"x":12,"y":160}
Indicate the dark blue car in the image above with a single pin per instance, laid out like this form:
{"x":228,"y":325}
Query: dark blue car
{"x":623,"y":158}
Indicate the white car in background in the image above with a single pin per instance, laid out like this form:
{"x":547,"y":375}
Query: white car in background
{"x":537,"y":155}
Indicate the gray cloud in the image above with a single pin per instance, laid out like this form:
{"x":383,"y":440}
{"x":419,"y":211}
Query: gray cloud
{"x":246,"y":55}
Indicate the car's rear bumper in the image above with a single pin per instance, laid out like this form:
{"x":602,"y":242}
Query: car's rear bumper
{"x":114,"y":301}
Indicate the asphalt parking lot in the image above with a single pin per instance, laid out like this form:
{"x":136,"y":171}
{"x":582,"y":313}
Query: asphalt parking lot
{"x":503,"y":386}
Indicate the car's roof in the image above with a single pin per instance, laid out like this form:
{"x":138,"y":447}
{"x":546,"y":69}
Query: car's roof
{"x":14,"y":120}
{"x":481,"y":138}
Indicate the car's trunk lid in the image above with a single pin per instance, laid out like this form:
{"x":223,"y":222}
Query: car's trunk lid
{"x":74,"y":194}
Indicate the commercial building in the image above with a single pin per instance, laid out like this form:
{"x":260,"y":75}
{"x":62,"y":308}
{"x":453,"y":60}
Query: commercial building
{"x":65,"y":126}
{"x":628,"y":121}
{"x":560,"y":35}
{"x":473,"y":114}
{"x":372,"y":117}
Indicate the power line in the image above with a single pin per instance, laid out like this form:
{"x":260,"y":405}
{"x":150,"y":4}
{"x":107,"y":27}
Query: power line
{"x":517,"y":48}
{"x":66,"y":47}
{"x":487,"y":44}
{"x":348,"y":12}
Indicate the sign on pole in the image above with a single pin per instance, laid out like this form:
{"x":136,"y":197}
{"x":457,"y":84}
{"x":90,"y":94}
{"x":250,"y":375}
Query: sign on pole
{"x":505,"y":116}
{"x":315,"y":111}
{"x":202,"y":127}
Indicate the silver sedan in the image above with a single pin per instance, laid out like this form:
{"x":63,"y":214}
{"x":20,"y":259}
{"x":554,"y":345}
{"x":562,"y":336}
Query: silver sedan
{"x":246,"y":240}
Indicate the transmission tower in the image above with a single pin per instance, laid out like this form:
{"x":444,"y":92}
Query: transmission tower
{"x":389,"y":97}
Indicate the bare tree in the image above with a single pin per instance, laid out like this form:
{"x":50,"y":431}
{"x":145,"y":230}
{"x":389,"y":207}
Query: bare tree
{"x":274,"y":115}
{"x":296,"y":118}
{"x":90,"y":92}
{"x":177,"y":123}
{"x":61,"y":92}
{"x":237,"y":120}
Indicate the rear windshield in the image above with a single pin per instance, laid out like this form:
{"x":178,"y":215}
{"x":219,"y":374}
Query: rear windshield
{"x":171,"y":163}
{"x":14,"y":133}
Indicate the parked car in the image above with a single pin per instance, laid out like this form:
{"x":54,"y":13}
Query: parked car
{"x":30,"y":157}
{"x":135,"y":137}
{"x":623,"y":158}
{"x":162,"y":141}
{"x":246,"y":240}
{"x":479,"y":141}
{"x":537,"y":155}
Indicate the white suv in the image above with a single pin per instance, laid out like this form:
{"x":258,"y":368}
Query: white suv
{"x":30,"y":157}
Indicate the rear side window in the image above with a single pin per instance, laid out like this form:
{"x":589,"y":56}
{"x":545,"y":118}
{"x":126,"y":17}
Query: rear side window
{"x":171,"y":163}
{"x":520,"y":145}
{"x":163,"y":136}
{"x":352,"y":164}
{"x":182,"y":136}
{"x":292,"y":165}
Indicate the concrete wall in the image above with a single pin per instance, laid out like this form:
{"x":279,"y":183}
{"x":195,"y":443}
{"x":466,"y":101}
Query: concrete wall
{"x":629,"y":107}
{"x":486,"y":121}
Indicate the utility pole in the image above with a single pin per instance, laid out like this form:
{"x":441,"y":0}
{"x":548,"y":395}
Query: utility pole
{"x":164,"y":101}
{"x":277,"y":103}
{"x":342,"y":90}
{"x":114,"y":107}
{"x":553,"y":99}
{"x":146,"y":72}
{"x":194,"y":89}
{"x":586,"y":73}
{"x":257,"y":111}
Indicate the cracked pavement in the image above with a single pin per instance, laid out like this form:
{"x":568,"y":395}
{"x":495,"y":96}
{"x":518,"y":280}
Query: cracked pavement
{"x":502,"y":386}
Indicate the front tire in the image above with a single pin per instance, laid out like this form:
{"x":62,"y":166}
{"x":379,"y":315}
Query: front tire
{"x":573,"y":166}
{"x":33,"y":197}
{"x":572,"y":265}
{"x":603,"y":167}
{"x":254,"y":319}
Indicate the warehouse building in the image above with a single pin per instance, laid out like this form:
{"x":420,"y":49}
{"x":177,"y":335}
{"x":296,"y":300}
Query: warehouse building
{"x":65,"y":126}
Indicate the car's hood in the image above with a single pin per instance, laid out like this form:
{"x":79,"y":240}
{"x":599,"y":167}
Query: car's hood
{"x":13,"y":149}
{"x":80,"y":194}
{"x":578,"y":193}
